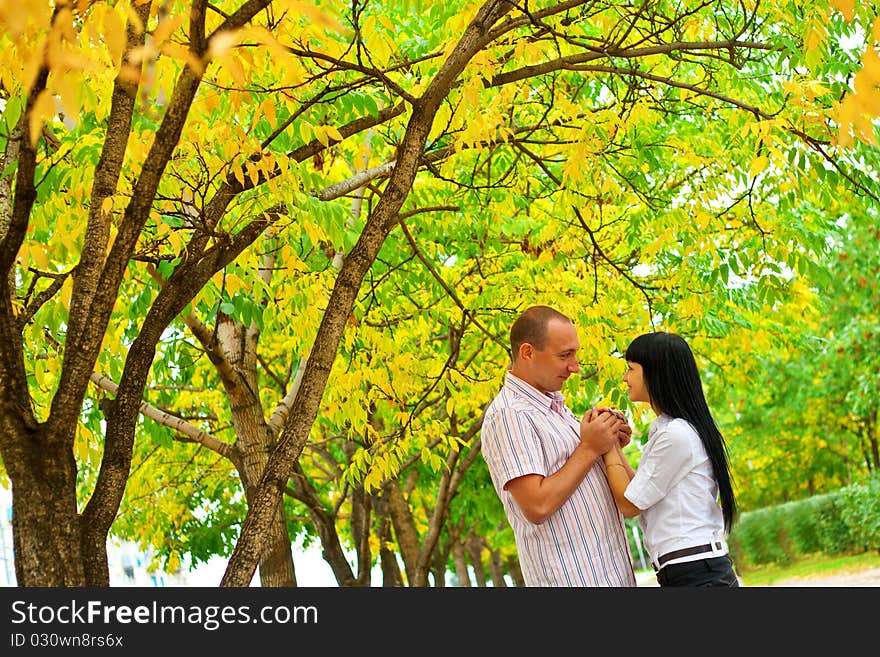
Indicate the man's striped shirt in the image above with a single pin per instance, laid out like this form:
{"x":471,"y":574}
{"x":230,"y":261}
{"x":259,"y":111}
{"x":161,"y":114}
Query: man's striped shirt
{"x":583,"y":543}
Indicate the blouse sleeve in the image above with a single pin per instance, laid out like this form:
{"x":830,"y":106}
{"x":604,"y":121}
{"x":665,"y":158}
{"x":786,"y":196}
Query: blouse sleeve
{"x":668,"y":461}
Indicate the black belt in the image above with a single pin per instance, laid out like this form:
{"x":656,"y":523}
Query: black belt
{"x":686,"y":552}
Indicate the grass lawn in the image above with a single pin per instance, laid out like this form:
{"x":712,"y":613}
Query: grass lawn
{"x":808,"y":566}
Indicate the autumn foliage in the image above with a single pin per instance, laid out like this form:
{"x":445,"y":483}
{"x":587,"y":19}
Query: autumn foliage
{"x":261,"y":257}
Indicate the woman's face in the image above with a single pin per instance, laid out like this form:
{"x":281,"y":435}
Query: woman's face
{"x":634,"y":378}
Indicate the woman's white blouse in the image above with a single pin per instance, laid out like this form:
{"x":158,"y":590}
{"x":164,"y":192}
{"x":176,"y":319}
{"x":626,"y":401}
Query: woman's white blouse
{"x":675,"y":489}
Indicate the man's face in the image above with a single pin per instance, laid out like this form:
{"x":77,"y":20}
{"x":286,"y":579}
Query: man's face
{"x":548,"y":368}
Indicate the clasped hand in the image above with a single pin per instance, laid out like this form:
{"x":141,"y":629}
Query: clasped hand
{"x":603,"y":428}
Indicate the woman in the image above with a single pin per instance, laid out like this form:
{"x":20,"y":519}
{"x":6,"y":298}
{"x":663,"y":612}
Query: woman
{"x":683,"y":469}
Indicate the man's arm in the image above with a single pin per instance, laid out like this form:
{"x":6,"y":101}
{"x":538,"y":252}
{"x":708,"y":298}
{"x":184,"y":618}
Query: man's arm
{"x":539,"y":496}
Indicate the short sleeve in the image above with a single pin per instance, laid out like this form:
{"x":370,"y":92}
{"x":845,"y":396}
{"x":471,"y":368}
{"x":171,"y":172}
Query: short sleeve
{"x":511,"y":446}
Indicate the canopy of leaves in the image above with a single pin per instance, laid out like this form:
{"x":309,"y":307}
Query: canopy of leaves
{"x":709,"y":170}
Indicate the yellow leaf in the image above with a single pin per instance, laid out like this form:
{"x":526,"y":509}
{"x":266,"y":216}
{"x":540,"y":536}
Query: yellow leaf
{"x":316,"y":235}
{"x":334,"y":133}
{"x":441,"y":122}
{"x":209,"y":101}
{"x":314,"y":15}
{"x":792,"y":87}
{"x":845,"y":117}
{"x":24,"y":256}
{"x":863,"y":126}
{"x":871,"y":65}
{"x":321,"y":134}
{"x":239,"y":174}
{"x":265,"y":37}
{"x":871,"y":104}
{"x":81,"y":443}
{"x":252,"y":172}
{"x":233,"y":65}
{"x":133,"y":19}
{"x":233,"y":284}
{"x":222,"y":42}
{"x":845,"y":7}
{"x":758,"y":165}
{"x":181,"y":53}
{"x":39,"y":372}
{"x":69,"y":90}
{"x":137,"y":56}
{"x":114,"y":36}
{"x":816,"y":88}
{"x":306,"y":130}
{"x":534,"y":53}
{"x":164,"y":29}
{"x":813,"y":41}
{"x":43,"y":109}
{"x":268,"y":107}
{"x":471,"y":92}
{"x":107,"y":205}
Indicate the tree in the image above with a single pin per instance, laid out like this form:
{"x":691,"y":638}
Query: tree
{"x":206,"y":200}
{"x":822,"y":433}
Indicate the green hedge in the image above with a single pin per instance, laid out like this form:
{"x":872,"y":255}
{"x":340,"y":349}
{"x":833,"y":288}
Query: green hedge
{"x":846,"y":521}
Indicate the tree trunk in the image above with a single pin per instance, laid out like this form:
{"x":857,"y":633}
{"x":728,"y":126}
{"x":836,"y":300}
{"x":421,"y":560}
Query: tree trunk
{"x":474,"y":547}
{"x":362,"y":504}
{"x":324,"y":522}
{"x":47,"y":532}
{"x":383,"y":218}
{"x":54,"y":545}
{"x":496,"y":568}
{"x":405,"y":532}
{"x":515,"y":572}
{"x":391,"y":575}
{"x":254,"y":442}
{"x":459,"y":557}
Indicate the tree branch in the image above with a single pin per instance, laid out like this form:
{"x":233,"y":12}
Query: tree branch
{"x":189,"y":432}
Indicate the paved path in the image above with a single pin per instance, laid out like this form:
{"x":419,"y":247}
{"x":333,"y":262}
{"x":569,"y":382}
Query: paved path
{"x":646,"y":578}
{"x":870,"y":577}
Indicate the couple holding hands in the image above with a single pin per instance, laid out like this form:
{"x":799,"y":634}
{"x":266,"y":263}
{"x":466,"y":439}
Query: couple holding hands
{"x":565,"y":483}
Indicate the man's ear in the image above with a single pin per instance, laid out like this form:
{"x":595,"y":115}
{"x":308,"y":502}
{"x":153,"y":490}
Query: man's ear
{"x":526,"y":351}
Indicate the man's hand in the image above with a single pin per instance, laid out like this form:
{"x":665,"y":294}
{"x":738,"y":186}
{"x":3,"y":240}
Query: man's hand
{"x":624,"y":433}
{"x":601,"y":429}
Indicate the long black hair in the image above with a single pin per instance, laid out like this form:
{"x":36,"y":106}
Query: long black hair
{"x":674,"y":387}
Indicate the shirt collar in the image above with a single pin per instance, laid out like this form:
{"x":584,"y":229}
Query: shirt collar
{"x":546,"y":400}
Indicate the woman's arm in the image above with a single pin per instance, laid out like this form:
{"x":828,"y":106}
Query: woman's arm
{"x":619,"y":473}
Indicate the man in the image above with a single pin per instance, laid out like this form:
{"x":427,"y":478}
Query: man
{"x":547,"y":466}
